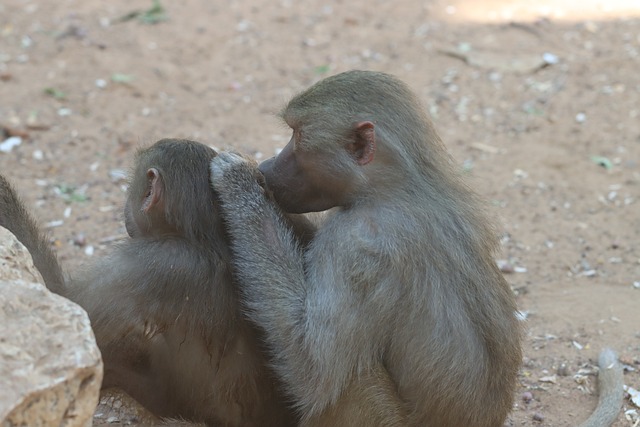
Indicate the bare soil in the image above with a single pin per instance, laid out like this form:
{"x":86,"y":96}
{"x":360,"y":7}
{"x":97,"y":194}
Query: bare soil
{"x":553,"y":141}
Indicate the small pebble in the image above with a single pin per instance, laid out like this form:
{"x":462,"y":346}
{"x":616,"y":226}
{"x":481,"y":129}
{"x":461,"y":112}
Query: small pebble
{"x":527,"y":397}
{"x":581,"y":117}
{"x":53,"y":224}
{"x":80,"y":239}
{"x":550,"y":58}
{"x":117,"y":175}
{"x":505,"y":266}
{"x":243,"y":26}
{"x":563,"y":370}
{"x":495,"y":77}
{"x":538,"y":417}
{"x":548,"y":379}
{"x":7,"y":145}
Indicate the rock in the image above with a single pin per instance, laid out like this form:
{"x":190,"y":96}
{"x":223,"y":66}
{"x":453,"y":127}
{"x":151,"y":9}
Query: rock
{"x":50,"y":365}
{"x":15,"y":260}
{"x":118,"y":408}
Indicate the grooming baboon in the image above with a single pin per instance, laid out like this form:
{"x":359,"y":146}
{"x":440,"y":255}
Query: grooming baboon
{"x":162,"y":304}
{"x":397,"y":307}
{"x":401,"y":276}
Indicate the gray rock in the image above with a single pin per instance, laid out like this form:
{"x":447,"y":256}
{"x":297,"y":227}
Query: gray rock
{"x":117,"y":408}
{"x":50,"y":365}
{"x":15,"y":260}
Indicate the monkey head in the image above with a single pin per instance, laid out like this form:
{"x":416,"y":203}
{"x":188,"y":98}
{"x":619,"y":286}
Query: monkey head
{"x":310,"y":177}
{"x":170,"y":193}
{"x":144,"y":209}
{"x":357,"y":136}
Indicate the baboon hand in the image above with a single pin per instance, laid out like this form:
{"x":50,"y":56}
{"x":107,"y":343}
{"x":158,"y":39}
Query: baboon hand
{"x":230,"y":172}
{"x":223,"y":163}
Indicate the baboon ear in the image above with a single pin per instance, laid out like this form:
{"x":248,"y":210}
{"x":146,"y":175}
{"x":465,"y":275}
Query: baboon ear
{"x":153,"y":195}
{"x":363,"y":147}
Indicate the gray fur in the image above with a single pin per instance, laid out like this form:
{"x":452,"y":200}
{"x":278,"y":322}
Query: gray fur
{"x":163,"y":303}
{"x":402,"y":274}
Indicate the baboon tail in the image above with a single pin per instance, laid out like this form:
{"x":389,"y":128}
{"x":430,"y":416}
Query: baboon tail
{"x":610,"y":384}
{"x":15,"y":218}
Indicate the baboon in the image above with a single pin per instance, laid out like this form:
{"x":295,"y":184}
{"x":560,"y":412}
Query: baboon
{"x":396,"y":313}
{"x":163,"y":304}
{"x":400,"y":277}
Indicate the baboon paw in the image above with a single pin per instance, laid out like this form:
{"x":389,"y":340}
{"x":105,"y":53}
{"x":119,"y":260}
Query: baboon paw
{"x":230,"y":172}
{"x":224,"y":162}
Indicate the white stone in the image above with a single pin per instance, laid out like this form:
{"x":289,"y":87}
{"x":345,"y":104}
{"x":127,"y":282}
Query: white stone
{"x":50,"y":365}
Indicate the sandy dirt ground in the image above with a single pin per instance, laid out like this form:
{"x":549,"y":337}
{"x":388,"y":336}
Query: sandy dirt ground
{"x":538,"y":101}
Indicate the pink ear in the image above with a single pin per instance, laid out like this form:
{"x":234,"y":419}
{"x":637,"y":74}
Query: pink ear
{"x":154,"y":193}
{"x":364,"y":147}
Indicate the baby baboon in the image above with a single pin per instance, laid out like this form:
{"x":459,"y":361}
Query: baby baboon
{"x":163,"y":304}
{"x":400,"y":278}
